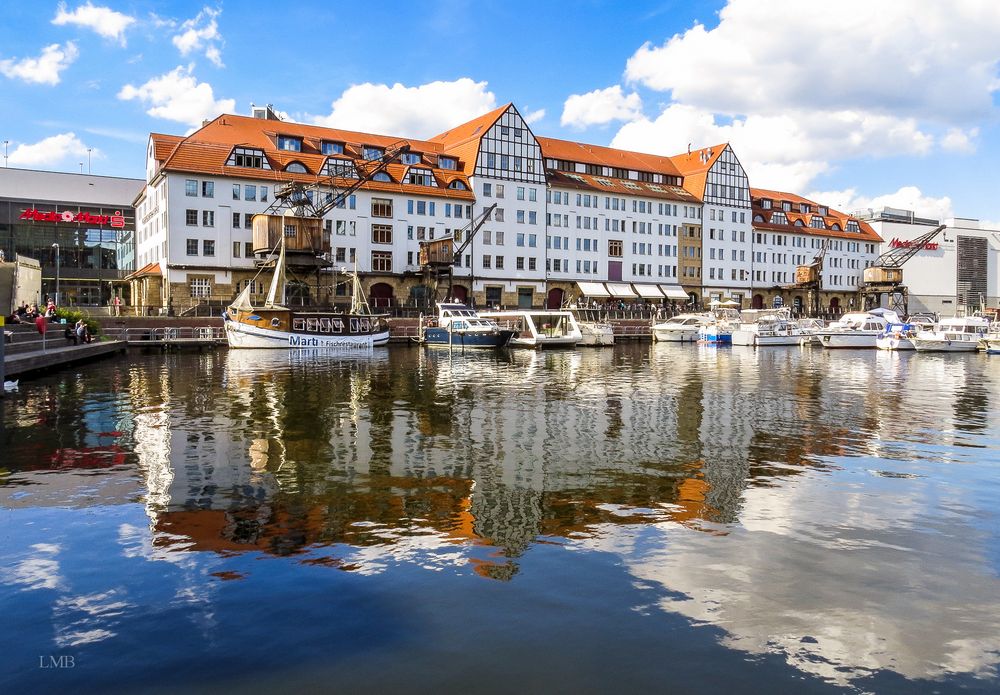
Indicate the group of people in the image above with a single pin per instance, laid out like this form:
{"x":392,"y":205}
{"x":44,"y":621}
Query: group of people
{"x":29,"y":313}
{"x":78,"y":334}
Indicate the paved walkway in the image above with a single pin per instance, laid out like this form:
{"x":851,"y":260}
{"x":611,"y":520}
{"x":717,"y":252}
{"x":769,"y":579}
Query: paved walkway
{"x":22,"y":362}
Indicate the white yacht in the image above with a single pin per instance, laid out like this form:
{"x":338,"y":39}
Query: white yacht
{"x":720,"y":326}
{"x":896,"y":336}
{"x":596,"y":331}
{"x":538,"y":329}
{"x":857,"y":329}
{"x":958,"y":334}
{"x":682,"y":328}
{"x":772,"y":328}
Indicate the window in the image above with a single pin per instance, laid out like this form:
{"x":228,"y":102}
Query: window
{"x":236,"y":249}
{"x":383,"y":177}
{"x":192,"y":247}
{"x":487,"y":190}
{"x":287,"y":142}
{"x":420,"y":177}
{"x":370,"y":153}
{"x":248,"y":157}
{"x":249,"y":192}
{"x":332,"y":147}
{"x":208,"y":189}
{"x":520,"y":192}
{"x":289,"y":230}
{"x":190,"y":187}
{"x":520,"y":216}
{"x":248,"y":249}
{"x":236,"y":191}
{"x":208,"y":218}
{"x":208,"y":247}
{"x":248,"y":220}
{"x":236,"y":222}
{"x":296,"y":168}
{"x":381,"y":207}
{"x":191,"y":218}
{"x":447,"y":163}
{"x":499,"y":190}
{"x":458,"y":185}
{"x":382,"y":261}
{"x":201,"y":287}
{"x":410,"y":158}
{"x":532,"y":240}
{"x":519,"y":263}
{"x":487,"y":261}
{"x":499,"y":263}
{"x":532,"y":194}
{"x":381,"y":234}
{"x":533,"y":217}
{"x":341,"y":254}
{"x":263,"y":194}
{"x":531,"y":264}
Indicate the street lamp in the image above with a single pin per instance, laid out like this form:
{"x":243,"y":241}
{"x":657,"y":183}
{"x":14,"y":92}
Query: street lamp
{"x":5,"y":143}
{"x":56,"y":247}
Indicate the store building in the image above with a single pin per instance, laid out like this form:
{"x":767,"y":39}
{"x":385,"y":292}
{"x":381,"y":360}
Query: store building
{"x":957,"y":273}
{"x":80,"y":227}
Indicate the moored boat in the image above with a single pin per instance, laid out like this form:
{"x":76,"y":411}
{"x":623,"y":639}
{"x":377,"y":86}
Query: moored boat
{"x":769,"y":329}
{"x":595,"y":331}
{"x":958,"y":334}
{"x":538,"y":329}
{"x":896,"y":336}
{"x":274,"y":325}
{"x":458,"y":325}
{"x":856,"y":329}
{"x":682,"y":328}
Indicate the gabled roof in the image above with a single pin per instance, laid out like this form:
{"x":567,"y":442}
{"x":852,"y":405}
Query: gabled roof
{"x":865,"y":233}
{"x":462,"y":141}
{"x":148,"y":269}
{"x":610,"y":186}
{"x":694,"y":166}
{"x":606,"y":156}
{"x":207,"y":150}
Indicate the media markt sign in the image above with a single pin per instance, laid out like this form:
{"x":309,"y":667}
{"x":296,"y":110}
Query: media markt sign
{"x":117,"y":220}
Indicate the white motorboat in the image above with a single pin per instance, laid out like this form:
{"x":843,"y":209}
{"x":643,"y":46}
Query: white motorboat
{"x":809,"y":328}
{"x":774,"y":328}
{"x":896,"y":336}
{"x":958,"y":334}
{"x":458,"y":325}
{"x":596,"y":331}
{"x":857,"y":329}
{"x":682,"y":328}
{"x":719,"y":329}
{"x":538,"y":329}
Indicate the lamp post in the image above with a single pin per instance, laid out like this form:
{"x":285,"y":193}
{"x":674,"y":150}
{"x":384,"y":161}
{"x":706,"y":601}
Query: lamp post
{"x":5,"y":143}
{"x":56,"y":247}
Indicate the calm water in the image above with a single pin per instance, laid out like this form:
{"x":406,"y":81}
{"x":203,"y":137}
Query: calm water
{"x":663,"y":518}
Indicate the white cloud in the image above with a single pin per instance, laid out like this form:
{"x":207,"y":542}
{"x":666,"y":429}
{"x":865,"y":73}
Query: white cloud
{"x":906,"y":198}
{"x":178,"y":96}
{"x":600,"y":106}
{"x":958,"y":140}
{"x":44,"y":69}
{"x":781,"y":151}
{"x":199,"y":33}
{"x":853,"y":54}
{"x":103,"y":20}
{"x":417,"y":112}
{"x":534,"y":116}
{"x":52,"y":151}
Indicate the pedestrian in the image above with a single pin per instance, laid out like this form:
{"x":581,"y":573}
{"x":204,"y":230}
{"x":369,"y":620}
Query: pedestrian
{"x":81,"y":331}
{"x":117,"y":304}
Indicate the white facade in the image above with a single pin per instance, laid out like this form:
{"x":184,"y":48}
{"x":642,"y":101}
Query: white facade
{"x":726,"y":239}
{"x":961,"y":274}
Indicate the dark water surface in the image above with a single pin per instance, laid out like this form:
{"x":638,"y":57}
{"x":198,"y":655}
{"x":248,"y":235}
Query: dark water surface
{"x":659,"y":518}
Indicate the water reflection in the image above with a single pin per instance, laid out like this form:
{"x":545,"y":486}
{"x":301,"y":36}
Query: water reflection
{"x":813,"y":505}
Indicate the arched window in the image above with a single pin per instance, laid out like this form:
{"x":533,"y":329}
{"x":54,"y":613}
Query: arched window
{"x":382,"y":176}
{"x":458,"y":185}
{"x":296,"y":168}
{"x":758,"y":218}
{"x":835,"y":227}
{"x":798,"y":223}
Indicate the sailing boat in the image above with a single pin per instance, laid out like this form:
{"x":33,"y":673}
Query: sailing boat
{"x":274,"y":325}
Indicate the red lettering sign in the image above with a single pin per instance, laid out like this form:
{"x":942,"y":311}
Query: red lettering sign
{"x":117,"y":220}
{"x":904,"y":244}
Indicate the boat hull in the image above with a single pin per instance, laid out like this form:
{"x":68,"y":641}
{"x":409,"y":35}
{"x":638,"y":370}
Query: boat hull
{"x":675,"y":335}
{"x":853,"y":339}
{"x":741,"y":337}
{"x":240,"y":335}
{"x":596,"y":334}
{"x":941,"y":345}
{"x":441,"y":336}
{"x":891,"y":343}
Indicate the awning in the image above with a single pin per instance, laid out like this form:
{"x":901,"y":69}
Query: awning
{"x":620,"y":290}
{"x":648,"y":291}
{"x":673,"y":292}
{"x":592,"y":289}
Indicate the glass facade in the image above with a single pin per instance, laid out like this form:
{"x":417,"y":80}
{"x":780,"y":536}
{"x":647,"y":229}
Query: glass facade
{"x":94,"y":257}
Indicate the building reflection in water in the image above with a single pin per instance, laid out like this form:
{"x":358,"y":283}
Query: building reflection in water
{"x":727,"y":477}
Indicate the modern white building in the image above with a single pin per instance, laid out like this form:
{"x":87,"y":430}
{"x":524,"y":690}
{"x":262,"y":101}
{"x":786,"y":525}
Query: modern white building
{"x":957,"y":273}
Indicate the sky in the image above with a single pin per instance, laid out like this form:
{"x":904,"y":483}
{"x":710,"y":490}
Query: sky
{"x":855,"y":104}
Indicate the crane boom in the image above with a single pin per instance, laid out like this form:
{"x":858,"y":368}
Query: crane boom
{"x":894,"y":258}
{"x":475,"y":227}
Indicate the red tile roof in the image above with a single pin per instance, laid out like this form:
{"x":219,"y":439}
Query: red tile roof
{"x":613,"y":186}
{"x":865,"y":233}
{"x":148,"y":269}
{"x":606,"y":156}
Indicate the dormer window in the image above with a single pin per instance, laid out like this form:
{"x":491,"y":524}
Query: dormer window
{"x":420,"y":177}
{"x":248,"y":157}
{"x":458,"y":185}
{"x":447,"y":163}
{"x":765,"y":203}
{"x":410,"y":158}
{"x":289,"y":143}
{"x":383,"y":177}
{"x":779,"y":218}
{"x":758,"y":218}
{"x":835,"y":227}
{"x":327,"y":147}
{"x":296,"y":168}
{"x":370,"y":153}
{"x":852,"y":226}
{"x":823,"y":210}
{"x":804,"y":208}
{"x":786,"y":206}
{"x":817,"y":222}
{"x":799,"y":223}
{"x":343,"y":168}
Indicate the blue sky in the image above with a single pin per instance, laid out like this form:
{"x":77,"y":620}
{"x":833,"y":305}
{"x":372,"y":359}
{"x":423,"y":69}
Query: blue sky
{"x":861,"y":102}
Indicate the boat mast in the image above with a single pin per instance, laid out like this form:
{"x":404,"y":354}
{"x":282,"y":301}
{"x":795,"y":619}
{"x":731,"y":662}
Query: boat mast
{"x":278,"y":279}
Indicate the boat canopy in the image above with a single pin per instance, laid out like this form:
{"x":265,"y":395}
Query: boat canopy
{"x":592,"y":289}
{"x":617,"y":290}
{"x":649,"y":291}
{"x":673,"y":292}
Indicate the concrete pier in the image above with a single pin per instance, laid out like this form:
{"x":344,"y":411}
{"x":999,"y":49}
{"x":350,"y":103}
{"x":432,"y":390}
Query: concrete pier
{"x":41,"y":360}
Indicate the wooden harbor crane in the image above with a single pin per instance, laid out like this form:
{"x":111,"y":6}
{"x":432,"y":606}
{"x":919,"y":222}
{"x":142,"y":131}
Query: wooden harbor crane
{"x":810,"y":278}
{"x":298,"y":209}
{"x":437,"y":257}
{"x":885,"y":275}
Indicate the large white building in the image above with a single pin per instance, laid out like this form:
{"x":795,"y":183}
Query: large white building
{"x":957,"y":273}
{"x":571,"y":219}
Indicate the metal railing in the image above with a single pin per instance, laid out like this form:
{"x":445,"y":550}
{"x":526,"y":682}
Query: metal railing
{"x":169,"y":334}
